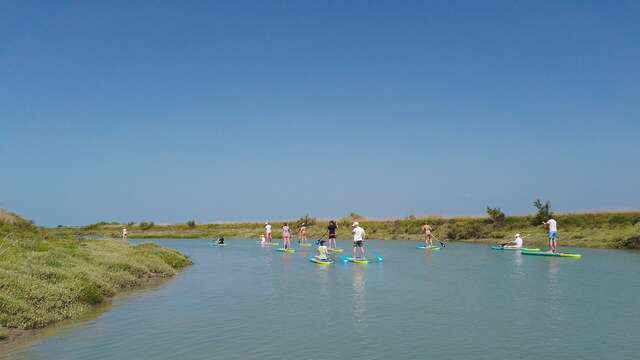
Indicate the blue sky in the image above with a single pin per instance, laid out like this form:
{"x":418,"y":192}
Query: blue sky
{"x":170,"y":111}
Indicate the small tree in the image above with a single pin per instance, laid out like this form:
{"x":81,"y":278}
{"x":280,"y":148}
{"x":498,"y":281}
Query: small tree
{"x":307,"y":220}
{"x":191,"y":223}
{"x":496,"y":215}
{"x":544,"y":211}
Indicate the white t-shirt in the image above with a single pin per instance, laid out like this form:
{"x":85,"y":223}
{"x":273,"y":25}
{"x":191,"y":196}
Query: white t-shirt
{"x":358,"y":234}
{"x":518,"y":242}
{"x":124,"y":232}
{"x":553,"y":226}
{"x":267,"y":229}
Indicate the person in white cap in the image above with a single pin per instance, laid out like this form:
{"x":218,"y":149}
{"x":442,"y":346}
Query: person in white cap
{"x":358,"y":239}
{"x":517,"y":243}
{"x":267,"y":232}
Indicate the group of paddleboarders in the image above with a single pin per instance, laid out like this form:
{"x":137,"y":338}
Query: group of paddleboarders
{"x":359,"y":236}
{"x":551,"y":224}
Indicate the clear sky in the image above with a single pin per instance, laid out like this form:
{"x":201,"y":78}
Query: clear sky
{"x":176,"y":110}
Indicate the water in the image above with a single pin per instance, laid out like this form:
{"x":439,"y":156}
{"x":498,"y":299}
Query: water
{"x":463,"y":302}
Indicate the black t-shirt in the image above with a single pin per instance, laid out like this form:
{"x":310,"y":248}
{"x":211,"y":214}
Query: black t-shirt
{"x":332,"y":229}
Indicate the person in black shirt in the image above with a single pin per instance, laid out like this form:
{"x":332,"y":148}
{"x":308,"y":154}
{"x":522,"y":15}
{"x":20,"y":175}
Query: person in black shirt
{"x":332,"y":233}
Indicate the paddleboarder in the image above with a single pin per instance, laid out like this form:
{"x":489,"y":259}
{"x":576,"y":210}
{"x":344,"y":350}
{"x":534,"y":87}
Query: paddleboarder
{"x":331,"y":230}
{"x":358,"y":239}
{"x":517,"y":243}
{"x":552,"y":224}
{"x":428,"y":237}
{"x":322,"y":252}
{"x":302,"y":233}
{"x":267,"y":232}
{"x":286,"y":236}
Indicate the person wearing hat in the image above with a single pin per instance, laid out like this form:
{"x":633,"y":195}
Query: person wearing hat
{"x":358,"y":239}
{"x":303,"y":234}
{"x":517,"y":243}
{"x":267,"y":232}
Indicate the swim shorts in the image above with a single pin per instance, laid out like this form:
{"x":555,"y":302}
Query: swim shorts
{"x":553,"y":235}
{"x":357,"y":243}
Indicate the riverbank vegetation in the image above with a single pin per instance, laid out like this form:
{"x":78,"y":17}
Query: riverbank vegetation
{"x":46,"y":278}
{"x":599,"y":230}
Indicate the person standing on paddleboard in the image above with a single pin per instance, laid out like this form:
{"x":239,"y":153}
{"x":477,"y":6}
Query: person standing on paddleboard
{"x":358,"y":239}
{"x":331,"y":230}
{"x":553,"y":234}
{"x":267,"y":232}
{"x":303,"y":234}
{"x":286,"y":236}
{"x":428,"y":237}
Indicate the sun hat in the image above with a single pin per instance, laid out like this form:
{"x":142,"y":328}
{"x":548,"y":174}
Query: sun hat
{"x":355,"y":224}
{"x":517,"y":235}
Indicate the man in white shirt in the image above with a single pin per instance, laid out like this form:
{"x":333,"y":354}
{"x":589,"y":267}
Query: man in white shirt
{"x":358,"y":239}
{"x":125,"y":234}
{"x":267,"y":232}
{"x":515,"y":244}
{"x":553,"y":233}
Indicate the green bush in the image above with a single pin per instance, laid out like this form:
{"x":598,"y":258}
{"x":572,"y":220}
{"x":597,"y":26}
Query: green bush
{"x":496,"y":215}
{"x":543,"y":213}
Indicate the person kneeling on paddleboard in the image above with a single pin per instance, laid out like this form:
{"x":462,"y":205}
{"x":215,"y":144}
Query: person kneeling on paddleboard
{"x":358,"y":239}
{"x":322,"y":252}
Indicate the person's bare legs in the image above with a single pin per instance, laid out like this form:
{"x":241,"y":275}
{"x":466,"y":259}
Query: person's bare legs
{"x":362,"y":251}
{"x":354,"y":250}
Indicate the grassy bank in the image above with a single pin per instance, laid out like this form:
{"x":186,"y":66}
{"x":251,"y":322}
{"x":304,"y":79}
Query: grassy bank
{"x":45,"y":278}
{"x":600,"y":230}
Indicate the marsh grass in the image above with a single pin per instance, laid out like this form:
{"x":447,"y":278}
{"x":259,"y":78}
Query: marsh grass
{"x":46,"y":279}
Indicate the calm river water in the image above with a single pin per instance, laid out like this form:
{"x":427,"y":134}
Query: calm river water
{"x":463,"y":302}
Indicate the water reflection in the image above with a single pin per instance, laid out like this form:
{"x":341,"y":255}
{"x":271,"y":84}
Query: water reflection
{"x":553,"y":290}
{"x":359,"y":281}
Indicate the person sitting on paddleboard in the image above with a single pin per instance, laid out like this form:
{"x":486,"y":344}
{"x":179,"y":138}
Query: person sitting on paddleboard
{"x":331,"y":230}
{"x":221,"y":240}
{"x":358,"y":239}
{"x":553,"y":234}
{"x":428,"y":237}
{"x":303,"y":234}
{"x":286,"y":236}
{"x":516,"y":243}
{"x":267,"y":232}
{"x":322,"y":252}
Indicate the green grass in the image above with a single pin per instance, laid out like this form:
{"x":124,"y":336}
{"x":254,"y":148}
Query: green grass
{"x":45,"y":279}
{"x":603,"y":230}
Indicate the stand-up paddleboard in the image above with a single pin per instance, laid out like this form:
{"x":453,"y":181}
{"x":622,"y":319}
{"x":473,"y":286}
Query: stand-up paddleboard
{"x":425,"y":247}
{"x":289,"y":250}
{"x":335,"y":250}
{"x":544,"y":253}
{"x":499,"y":247}
{"x":321,"y":262}
{"x":360,"y":260}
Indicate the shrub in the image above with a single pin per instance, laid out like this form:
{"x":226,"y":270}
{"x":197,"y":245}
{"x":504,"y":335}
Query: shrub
{"x":496,"y":215}
{"x":146,"y":225}
{"x":307,"y":220}
{"x":191,"y":223}
{"x":543,"y":213}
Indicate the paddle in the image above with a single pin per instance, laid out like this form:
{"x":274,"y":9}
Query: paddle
{"x":317,"y":242}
